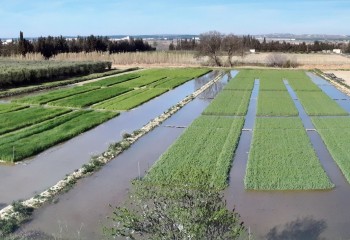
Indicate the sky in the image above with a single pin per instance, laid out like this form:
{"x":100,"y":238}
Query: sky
{"x":137,"y":17}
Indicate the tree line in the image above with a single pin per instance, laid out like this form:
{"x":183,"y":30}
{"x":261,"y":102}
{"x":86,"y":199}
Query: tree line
{"x":50,"y":46}
{"x":250,"y":42}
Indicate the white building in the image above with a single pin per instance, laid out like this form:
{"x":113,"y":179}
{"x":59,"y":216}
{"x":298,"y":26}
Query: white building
{"x":338,"y":51}
{"x":252,"y":50}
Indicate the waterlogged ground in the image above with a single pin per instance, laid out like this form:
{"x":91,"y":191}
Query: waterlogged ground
{"x":23,"y":180}
{"x":82,"y":212}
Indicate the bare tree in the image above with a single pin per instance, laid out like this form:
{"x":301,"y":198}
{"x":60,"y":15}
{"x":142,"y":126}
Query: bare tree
{"x":231,"y":44}
{"x":210,"y":45}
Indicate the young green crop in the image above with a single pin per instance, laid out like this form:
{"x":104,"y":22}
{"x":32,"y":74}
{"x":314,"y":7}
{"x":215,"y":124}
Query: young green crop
{"x":276,"y":103}
{"x":11,"y":121}
{"x":86,"y":99}
{"x":335,"y":133}
{"x":229,"y":103}
{"x":10,"y":107}
{"x":54,"y":95}
{"x":212,"y":141}
{"x":299,"y":81}
{"x":320,"y":104}
{"x":282,"y":158}
{"x":20,"y":149}
{"x":131,"y":99}
{"x":113,"y":80}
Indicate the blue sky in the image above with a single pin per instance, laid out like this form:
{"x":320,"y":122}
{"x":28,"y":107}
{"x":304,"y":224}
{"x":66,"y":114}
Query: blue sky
{"x":114,"y":17}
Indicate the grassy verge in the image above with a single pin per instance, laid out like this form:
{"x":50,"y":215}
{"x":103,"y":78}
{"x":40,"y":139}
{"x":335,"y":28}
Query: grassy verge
{"x":11,"y":121}
{"x":282,"y":158}
{"x":213,"y":140}
{"x":335,"y":133}
{"x":53,"y":133}
{"x":276,"y":103}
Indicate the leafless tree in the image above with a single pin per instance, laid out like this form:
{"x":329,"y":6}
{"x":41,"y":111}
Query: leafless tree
{"x":210,"y":45}
{"x":232,"y":45}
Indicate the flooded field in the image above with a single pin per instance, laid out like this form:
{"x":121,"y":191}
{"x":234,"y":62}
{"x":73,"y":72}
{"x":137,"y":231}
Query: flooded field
{"x":82,"y":212}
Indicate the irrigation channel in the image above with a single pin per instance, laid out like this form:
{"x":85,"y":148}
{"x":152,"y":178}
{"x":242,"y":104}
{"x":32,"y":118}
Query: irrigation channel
{"x":81,"y":212}
{"x":292,"y":214}
{"x":36,"y":174}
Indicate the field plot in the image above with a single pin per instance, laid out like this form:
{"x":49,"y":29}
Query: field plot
{"x":229,"y":103}
{"x":131,"y":99}
{"x":317,"y":103}
{"x":113,"y":80}
{"x":89,"y":98}
{"x":54,"y":95}
{"x":15,"y":147}
{"x":244,"y":80}
{"x":11,"y":121}
{"x":299,"y":81}
{"x":335,"y":132}
{"x":282,"y":158}
{"x":212,"y":141}
{"x":10,"y":107}
{"x":276,"y":103}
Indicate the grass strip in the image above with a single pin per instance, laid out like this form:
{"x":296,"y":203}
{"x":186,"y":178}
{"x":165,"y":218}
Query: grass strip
{"x":89,"y":98}
{"x":282,"y":158}
{"x":335,"y":133}
{"x":276,"y":103}
{"x":11,"y":121}
{"x":213,"y":140}
{"x":229,"y":103}
{"x":320,"y":104}
{"x":113,"y":80}
{"x":43,"y":140}
{"x":10,"y":107}
{"x":54,"y":95}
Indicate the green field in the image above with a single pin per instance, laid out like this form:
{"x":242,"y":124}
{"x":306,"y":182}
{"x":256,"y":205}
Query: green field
{"x":335,"y":133}
{"x":113,"y":80}
{"x":202,"y":155}
{"x":299,"y":81}
{"x":88,"y":98}
{"x":30,"y":141}
{"x":54,"y":95}
{"x":282,"y":158}
{"x":11,"y":121}
{"x":10,"y":107}
{"x":320,"y":104}
{"x":131,"y":99}
{"x":229,"y":103}
{"x":276,"y":103}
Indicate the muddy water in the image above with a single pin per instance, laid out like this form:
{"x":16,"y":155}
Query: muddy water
{"x":86,"y":206}
{"x":44,"y":170}
{"x":341,"y":98}
{"x":292,"y":214}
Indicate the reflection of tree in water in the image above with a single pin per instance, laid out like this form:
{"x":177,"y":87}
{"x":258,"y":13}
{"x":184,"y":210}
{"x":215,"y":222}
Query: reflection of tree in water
{"x":306,"y":228}
{"x":199,"y":82}
{"x":212,"y":91}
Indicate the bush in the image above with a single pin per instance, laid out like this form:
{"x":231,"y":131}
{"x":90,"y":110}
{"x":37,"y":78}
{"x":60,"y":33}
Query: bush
{"x":279,"y":60}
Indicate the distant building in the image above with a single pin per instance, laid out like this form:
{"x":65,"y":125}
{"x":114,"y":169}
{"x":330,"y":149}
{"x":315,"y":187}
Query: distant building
{"x":252,"y":50}
{"x":8,"y":41}
{"x":338,"y":51}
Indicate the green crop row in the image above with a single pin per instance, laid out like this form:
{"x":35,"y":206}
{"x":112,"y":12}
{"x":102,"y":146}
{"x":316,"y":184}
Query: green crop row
{"x":276,"y":103}
{"x":10,"y":107}
{"x":335,"y":133}
{"x":89,"y":98}
{"x":282,"y":158}
{"x":229,"y":103}
{"x":54,"y":95}
{"x":15,"y":147}
{"x":202,"y":155}
{"x":131,"y":99}
{"x":299,"y":81}
{"x":11,"y":121}
{"x":113,"y":80}
{"x":319,"y":104}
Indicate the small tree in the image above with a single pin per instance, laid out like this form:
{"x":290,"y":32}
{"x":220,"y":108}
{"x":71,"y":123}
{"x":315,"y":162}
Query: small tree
{"x":175,"y":212}
{"x":231,"y":44}
{"x":210,"y":46}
